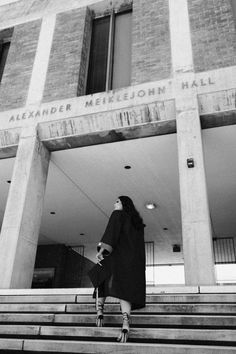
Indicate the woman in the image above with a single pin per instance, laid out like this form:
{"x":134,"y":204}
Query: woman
{"x":123,"y":242}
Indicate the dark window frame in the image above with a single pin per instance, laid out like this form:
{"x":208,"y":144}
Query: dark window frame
{"x":224,"y":250}
{"x":4,"y":51}
{"x":110,"y":48}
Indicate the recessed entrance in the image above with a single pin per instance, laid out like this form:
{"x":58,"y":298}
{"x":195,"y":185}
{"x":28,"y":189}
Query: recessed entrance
{"x":83,"y":184}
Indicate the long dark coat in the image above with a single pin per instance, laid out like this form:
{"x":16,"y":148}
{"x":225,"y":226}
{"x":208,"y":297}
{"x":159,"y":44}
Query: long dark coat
{"x":126,"y":260}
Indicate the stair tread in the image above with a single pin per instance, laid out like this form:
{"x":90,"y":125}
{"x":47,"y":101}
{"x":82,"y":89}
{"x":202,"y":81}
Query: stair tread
{"x":204,"y":308}
{"x":37,"y":299}
{"x":159,"y":298}
{"x":32,"y":308}
{"x":71,"y":308}
{"x":127,"y":348}
{"x":11,"y":344}
{"x":145,"y":319}
{"x":106,"y":332}
{"x":24,"y":317}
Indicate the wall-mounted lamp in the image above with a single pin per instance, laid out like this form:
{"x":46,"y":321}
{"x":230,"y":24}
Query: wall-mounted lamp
{"x":190,"y":162}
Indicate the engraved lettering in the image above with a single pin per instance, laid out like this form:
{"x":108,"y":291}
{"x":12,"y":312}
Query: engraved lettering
{"x":161,"y":90}
{"x":45,"y":112}
{"x":210,"y":82}
{"x":53,"y":110}
{"x":132,"y":95}
{"x":89,"y":103}
{"x":151,"y":92}
{"x":184,"y":85}
{"x":141,"y":93}
{"x":194,"y":84}
{"x":202,"y":82}
{"x":37,"y":114}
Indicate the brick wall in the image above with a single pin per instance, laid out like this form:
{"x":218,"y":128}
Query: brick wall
{"x":151,"y":48}
{"x":68,"y":58}
{"x":16,"y":77}
{"x":213,"y":34}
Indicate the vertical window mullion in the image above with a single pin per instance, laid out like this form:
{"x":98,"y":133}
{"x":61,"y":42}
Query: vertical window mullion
{"x":110,"y":52}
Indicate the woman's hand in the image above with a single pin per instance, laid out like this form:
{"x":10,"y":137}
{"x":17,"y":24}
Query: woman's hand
{"x":99,"y":256}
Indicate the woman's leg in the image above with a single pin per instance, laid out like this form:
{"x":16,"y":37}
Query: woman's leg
{"x":126,"y":310}
{"x":100,"y":306}
{"x":125,"y":306}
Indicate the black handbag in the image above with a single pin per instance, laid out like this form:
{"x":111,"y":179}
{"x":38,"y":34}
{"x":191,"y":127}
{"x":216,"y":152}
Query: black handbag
{"x":99,"y":273}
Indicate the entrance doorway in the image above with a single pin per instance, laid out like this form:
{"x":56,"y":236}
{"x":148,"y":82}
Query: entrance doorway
{"x":81,"y":189}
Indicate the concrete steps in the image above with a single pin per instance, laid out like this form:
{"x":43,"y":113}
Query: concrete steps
{"x":90,"y":308}
{"x":64,"y":323}
{"x":56,"y":346}
{"x":157,"y":298}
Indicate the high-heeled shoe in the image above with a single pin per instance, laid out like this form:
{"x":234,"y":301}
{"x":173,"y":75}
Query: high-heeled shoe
{"x":124,"y":334}
{"x":99,"y":318}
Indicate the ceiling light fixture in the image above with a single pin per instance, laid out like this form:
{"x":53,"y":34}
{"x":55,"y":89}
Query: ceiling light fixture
{"x":150,"y":206}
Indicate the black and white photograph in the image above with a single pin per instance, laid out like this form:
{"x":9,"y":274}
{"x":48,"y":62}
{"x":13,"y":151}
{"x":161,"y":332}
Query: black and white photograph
{"x":118,"y":176}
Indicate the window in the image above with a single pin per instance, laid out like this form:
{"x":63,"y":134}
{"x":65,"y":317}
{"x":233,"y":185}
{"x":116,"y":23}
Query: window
{"x":110,"y":53}
{"x":224,"y":250}
{"x":4,"y":48}
{"x":150,"y":266}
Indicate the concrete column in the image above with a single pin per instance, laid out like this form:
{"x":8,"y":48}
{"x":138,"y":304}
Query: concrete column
{"x":196,"y":226}
{"x":22,"y":218}
{"x":41,"y":61}
{"x":181,"y":46}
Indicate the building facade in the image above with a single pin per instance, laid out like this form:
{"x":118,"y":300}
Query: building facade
{"x":114,"y":97}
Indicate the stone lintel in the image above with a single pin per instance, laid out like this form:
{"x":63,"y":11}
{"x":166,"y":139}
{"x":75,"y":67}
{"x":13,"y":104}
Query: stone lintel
{"x":111,"y":136}
{"x":9,"y":138}
{"x":218,"y":119}
{"x":8,"y":151}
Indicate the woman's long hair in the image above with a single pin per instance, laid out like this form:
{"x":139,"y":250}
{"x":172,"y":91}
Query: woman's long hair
{"x":129,"y":208}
